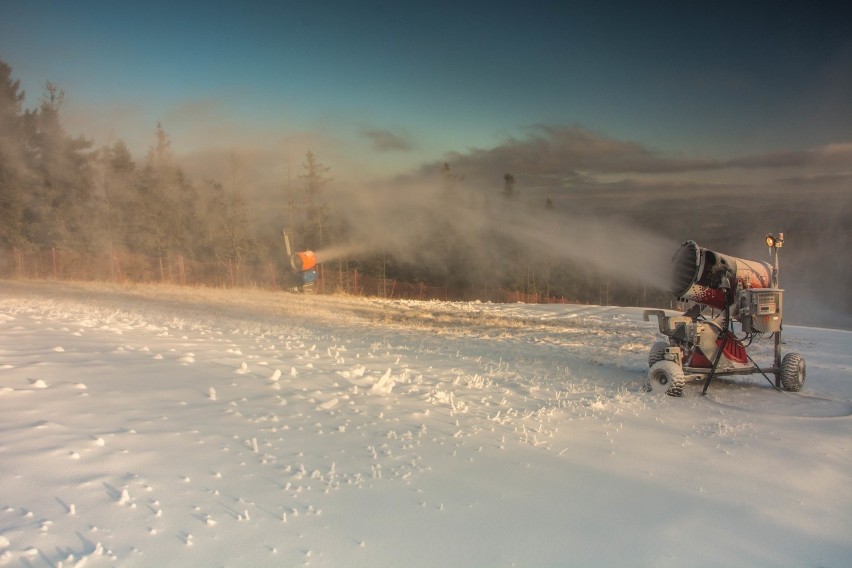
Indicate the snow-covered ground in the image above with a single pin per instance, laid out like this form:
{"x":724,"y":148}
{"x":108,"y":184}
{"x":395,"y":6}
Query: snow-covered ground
{"x":144,"y":426}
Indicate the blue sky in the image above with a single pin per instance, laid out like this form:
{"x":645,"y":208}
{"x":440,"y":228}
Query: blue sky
{"x":394,"y":85}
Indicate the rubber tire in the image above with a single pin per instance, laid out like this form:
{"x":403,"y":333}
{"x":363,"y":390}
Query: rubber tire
{"x":666,"y":377}
{"x":658,"y":349}
{"x":793,"y":372}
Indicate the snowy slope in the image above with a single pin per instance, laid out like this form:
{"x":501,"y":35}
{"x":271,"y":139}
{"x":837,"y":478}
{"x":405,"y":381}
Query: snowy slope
{"x":144,"y":426}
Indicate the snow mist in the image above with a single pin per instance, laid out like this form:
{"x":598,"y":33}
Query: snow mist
{"x":421,"y":225}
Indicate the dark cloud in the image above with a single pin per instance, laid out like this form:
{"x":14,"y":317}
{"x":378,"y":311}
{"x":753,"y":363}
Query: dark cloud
{"x":567,"y":152}
{"x":828,"y":156}
{"x":387,"y":141}
{"x":572,"y":156}
{"x":839,"y":179}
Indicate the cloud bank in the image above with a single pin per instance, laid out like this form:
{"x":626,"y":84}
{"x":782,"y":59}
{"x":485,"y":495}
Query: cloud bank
{"x":387,"y":141}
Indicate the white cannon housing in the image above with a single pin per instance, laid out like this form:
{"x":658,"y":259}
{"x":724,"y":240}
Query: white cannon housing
{"x":701,"y":345}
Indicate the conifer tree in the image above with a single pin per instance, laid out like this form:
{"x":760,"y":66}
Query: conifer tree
{"x":166,"y":217}
{"x":509,"y":186}
{"x":315,"y":226}
{"x":57,"y":212}
{"x":223,"y":214}
{"x":12,"y":162}
{"x":116,"y":180}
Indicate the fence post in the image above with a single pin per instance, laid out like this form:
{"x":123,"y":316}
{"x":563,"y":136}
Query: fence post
{"x":116,"y":264}
{"x":273,"y":277}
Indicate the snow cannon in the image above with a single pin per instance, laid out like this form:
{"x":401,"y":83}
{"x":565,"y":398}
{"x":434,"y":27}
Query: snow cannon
{"x":702,"y":343}
{"x":304,"y":265}
{"x":704,"y":276}
{"x":302,"y":261}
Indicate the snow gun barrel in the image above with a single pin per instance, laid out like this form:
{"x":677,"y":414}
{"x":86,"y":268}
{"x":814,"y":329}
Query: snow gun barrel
{"x":304,"y":260}
{"x":704,"y":276}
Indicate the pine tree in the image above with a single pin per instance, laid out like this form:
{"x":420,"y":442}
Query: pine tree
{"x":57,"y":212}
{"x":315,"y":226}
{"x":509,"y":191}
{"x":12,"y":161}
{"x":116,"y":182}
{"x":166,"y":219}
{"x":224,"y":213}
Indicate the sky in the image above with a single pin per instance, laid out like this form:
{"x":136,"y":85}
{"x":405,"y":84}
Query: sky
{"x":379,"y":89}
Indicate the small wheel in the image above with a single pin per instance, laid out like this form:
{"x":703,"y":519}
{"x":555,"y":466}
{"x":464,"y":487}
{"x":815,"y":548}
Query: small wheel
{"x":792,"y":372}
{"x":658,"y":349}
{"x":666,"y":377}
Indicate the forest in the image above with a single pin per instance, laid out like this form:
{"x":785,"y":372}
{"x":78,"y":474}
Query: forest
{"x":72,"y":209}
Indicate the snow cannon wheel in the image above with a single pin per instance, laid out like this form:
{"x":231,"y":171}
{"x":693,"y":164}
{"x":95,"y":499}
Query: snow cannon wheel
{"x":793,"y":372}
{"x":657,"y":352}
{"x":666,"y":377}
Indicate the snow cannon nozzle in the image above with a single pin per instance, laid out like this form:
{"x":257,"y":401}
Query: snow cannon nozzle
{"x":703,"y":276}
{"x":304,"y":260}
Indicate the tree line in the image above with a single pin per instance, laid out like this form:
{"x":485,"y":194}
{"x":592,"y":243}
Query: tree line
{"x":57,"y":190}
{"x":61,"y":191}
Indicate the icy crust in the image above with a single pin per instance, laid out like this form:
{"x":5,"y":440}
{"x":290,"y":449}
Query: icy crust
{"x":160,"y":426}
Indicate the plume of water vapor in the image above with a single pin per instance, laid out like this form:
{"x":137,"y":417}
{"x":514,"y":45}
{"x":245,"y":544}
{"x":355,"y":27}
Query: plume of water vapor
{"x":422,"y":226}
{"x":335,"y":252}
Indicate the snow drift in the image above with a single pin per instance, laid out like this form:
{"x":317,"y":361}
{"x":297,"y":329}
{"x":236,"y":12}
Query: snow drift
{"x":162,"y":426}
